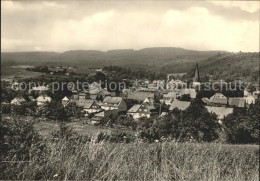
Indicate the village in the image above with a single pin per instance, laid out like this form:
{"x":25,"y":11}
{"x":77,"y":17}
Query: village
{"x":144,"y":99}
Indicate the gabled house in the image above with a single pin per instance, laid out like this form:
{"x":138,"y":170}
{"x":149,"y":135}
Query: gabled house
{"x":114,"y":103}
{"x":65,"y":101}
{"x":42,"y":100}
{"x":149,"y":100}
{"x":142,"y":110}
{"x":133,"y":111}
{"x":218,"y":99}
{"x":251,"y":99}
{"x":168,"y":98}
{"x":97,"y":94}
{"x":103,"y":93}
{"x":18,"y":101}
{"x":182,"y":105}
{"x":89,"y":106}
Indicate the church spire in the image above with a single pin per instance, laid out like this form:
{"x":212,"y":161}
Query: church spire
{"x":197,"y":74}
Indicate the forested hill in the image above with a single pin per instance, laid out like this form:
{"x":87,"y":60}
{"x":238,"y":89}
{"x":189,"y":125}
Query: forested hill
{"x":148,"y":56}
{"x":213,"y":64}
{"x":233,"y":66}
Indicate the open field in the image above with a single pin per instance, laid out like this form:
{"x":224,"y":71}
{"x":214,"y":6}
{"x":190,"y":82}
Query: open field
{"x":65,"y":160}
{"x":17,"y":72}
{"x":46,"y":127}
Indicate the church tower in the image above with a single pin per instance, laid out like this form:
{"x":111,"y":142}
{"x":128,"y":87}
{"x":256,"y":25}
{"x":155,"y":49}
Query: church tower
{"x":197,"y":74}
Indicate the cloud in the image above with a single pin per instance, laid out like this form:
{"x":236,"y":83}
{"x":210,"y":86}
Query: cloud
{"x":249,"y":6}
{"x":59,"y":26}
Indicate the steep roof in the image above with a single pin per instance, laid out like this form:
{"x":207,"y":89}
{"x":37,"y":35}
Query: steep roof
{"x":134,"y":109}
{"x":148,"y":105}
{"x":218,"y":98}
{"x":65,"y":98}
{"x":149,"y":99}
{"x":19,"y":99}
{"x":85,"y":103}
{"x":221,"y":112}
{"x":182,"y":105}
{"x":112,"y":100}
{"x":139,"y":96}
{"x":238,"y":102}
{"x":170,"y":95}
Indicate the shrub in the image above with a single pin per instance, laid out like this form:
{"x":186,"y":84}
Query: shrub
{"x":19,"y":143}
{"x":6,"y":108}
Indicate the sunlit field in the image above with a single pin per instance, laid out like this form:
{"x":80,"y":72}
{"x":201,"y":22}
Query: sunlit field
{"x":66,"y":156}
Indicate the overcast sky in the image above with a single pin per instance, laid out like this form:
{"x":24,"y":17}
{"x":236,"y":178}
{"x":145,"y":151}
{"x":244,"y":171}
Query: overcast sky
{"x":101,"y":25}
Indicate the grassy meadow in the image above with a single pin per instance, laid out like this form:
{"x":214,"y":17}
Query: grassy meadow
{"x":64,"y":160}
{"x":66,"y":154}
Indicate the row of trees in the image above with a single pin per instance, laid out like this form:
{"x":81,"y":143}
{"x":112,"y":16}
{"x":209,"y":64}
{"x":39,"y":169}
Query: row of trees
{"x":52,"y":110}
{"x":128,"y":73}
{"x":197,"y":124}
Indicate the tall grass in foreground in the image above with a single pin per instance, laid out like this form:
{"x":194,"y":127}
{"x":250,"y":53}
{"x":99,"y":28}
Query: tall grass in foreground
{"x":139,"y":161}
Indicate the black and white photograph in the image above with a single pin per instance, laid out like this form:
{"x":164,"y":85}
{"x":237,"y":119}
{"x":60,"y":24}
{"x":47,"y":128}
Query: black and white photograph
{"x":152,"y":90}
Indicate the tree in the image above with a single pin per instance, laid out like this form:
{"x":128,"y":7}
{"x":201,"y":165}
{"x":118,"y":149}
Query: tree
{"x":56,"y":111}
{"x":194,"y":123}
{"x":19,"y":109}
{"x":199,"y":123}
{"x":73,"y":110}
{"x":6,"y":108}
{"x":185,"y":97}
{"x":242,"y":126}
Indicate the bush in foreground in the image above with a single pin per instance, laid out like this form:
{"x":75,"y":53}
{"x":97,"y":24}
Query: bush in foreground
{"x":67,"y":156}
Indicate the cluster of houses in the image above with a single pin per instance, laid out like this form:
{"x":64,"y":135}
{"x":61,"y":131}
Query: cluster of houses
{"x":100,"y":103}
{"x":41,"y":99}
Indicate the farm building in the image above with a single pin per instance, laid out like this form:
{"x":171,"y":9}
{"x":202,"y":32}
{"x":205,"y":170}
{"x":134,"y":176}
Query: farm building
{"x":42,"y":100}
{"x":111,"y":103}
